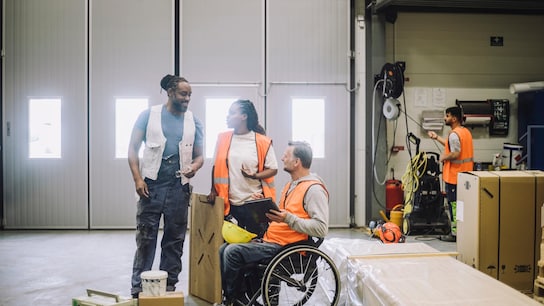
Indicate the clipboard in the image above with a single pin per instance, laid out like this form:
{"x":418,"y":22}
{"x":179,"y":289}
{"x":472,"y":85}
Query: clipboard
{"x":258,"y":208}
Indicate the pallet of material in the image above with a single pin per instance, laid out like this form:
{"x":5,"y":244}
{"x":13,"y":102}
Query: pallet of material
{"x":413,"y":274}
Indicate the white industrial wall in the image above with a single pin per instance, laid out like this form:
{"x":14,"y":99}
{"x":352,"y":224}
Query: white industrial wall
{"x":45,"y":56}
{"x":242,"y":49}
{"x":308,"y":43}
{"x":131,"y":49}
{"x":271,"y":52}
{"x":452,"y":52}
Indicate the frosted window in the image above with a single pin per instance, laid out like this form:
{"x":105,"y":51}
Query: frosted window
{"x":126,"y":113}
{"x":217,"y":110}
{"x":308,"y":124}
{"x":44,"y":122}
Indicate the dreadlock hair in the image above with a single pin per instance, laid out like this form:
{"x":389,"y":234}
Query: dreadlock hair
{"x":171,"y":81}
{"x":247,"y":107}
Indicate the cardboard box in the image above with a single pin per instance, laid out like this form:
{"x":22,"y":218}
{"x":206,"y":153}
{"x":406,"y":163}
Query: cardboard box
{"x":496,"y":225}
{"x":478,"y":220}
{"x":102,"y":298}
{"x":206,"y":238}
{"x":539,"y":199}
{"x":170,"y":299}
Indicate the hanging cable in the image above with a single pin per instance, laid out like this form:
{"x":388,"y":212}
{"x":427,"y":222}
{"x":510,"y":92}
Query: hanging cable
{"x":374,"y":137}
{"x":411,"y":179}
{"x":421,"y":126}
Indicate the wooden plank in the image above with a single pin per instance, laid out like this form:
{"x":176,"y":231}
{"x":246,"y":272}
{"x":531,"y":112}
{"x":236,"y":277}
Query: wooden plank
{"x":205,"y":240}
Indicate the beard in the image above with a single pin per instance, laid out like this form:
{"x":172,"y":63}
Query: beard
{"x":180,"y":106}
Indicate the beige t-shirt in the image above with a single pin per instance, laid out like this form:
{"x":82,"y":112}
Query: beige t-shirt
{"x":243,"y":152}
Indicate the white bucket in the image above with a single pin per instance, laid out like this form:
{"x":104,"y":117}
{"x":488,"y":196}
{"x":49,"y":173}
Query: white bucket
{"x":511,"y":155}
{"x":154,"y":283}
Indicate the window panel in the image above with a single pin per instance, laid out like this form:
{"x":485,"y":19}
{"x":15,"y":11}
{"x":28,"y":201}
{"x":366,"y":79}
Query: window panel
{"x":308,"y":123}
{"x":216,"y":121}
{"x":44,"y":122}
{"x":126,"y":113}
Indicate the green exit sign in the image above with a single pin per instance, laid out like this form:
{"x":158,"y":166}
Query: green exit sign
{"x":496,"y":41}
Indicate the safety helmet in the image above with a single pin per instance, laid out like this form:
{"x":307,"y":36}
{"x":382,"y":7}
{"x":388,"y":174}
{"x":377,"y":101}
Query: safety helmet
{"x":389,"y":232}
{"x":232,"y":233}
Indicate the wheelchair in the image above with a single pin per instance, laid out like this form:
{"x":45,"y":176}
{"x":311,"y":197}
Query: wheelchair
{"x":299,"y":274}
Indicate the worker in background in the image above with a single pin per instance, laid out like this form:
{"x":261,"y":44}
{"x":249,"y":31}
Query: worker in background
{"x":458,"y":156}
{"x":172,"y":155}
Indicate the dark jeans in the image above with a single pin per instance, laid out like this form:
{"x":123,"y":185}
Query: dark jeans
{"x":451,"y":196}
{"x":233,"y":257}
{"x":167,"y":198}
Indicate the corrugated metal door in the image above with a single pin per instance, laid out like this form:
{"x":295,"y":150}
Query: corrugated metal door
{"x":308,"y":44}
{"x":298,"y":49}
{"x":132,"y":48}
{"x":222,"y":57}
{"x":45,"y":58}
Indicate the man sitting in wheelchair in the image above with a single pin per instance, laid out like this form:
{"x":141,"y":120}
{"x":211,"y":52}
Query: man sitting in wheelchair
{"x":304,"y":213}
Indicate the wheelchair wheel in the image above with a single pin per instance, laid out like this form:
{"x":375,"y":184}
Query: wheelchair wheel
{"x":300,"y":275}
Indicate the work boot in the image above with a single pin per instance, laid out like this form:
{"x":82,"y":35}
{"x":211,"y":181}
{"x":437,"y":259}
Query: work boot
{"x":225,"y":302}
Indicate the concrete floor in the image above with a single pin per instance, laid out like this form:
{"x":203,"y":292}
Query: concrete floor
{"x":50,"y":267}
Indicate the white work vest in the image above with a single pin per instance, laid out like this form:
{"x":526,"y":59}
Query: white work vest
{"x":155,"y":144}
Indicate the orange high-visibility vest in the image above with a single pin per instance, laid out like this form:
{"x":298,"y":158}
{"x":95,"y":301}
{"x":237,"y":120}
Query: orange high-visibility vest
{"x":221,"y":168}
{"x":280,"y":232}
{"x":465,"y":161}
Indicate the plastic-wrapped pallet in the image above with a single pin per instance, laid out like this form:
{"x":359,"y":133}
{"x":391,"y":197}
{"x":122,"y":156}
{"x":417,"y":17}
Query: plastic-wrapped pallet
{"x":413,"y":274}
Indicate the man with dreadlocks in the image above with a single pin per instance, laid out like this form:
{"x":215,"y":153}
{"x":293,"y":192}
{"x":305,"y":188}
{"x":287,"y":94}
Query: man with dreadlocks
{"x":245,"y":165}
{"x":172,"y":155}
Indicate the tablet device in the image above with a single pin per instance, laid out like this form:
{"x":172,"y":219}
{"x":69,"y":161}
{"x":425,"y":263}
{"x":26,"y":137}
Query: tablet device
{"x":257,"y":209}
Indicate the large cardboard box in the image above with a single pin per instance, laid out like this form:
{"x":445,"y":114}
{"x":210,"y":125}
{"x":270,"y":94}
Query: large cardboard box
{"x":496,"y":225}
{"x":170,"y":299}
{"x":478,"y":220}
{"x":205,"y":240}
{"x":539,"y":199}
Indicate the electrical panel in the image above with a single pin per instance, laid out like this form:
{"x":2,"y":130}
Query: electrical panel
{"x":500,"y":120}
{"x":494,"y":113}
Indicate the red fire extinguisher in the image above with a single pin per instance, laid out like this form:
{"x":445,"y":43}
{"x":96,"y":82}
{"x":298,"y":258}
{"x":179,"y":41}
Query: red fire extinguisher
{"x":394,"y":194}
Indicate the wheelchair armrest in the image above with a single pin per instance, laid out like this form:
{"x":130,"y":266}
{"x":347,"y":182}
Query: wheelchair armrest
{"x":312,"y":241}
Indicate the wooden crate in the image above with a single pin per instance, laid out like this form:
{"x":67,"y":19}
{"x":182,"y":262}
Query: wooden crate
{"x":205,"y":240}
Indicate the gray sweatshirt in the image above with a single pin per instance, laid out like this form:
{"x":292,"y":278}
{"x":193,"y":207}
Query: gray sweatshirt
{"x":316,"y":203}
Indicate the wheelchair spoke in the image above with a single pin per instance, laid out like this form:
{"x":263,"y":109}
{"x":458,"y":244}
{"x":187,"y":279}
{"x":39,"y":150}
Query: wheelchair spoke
{"x":301,"y":275}
{"x":291,"y":282}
